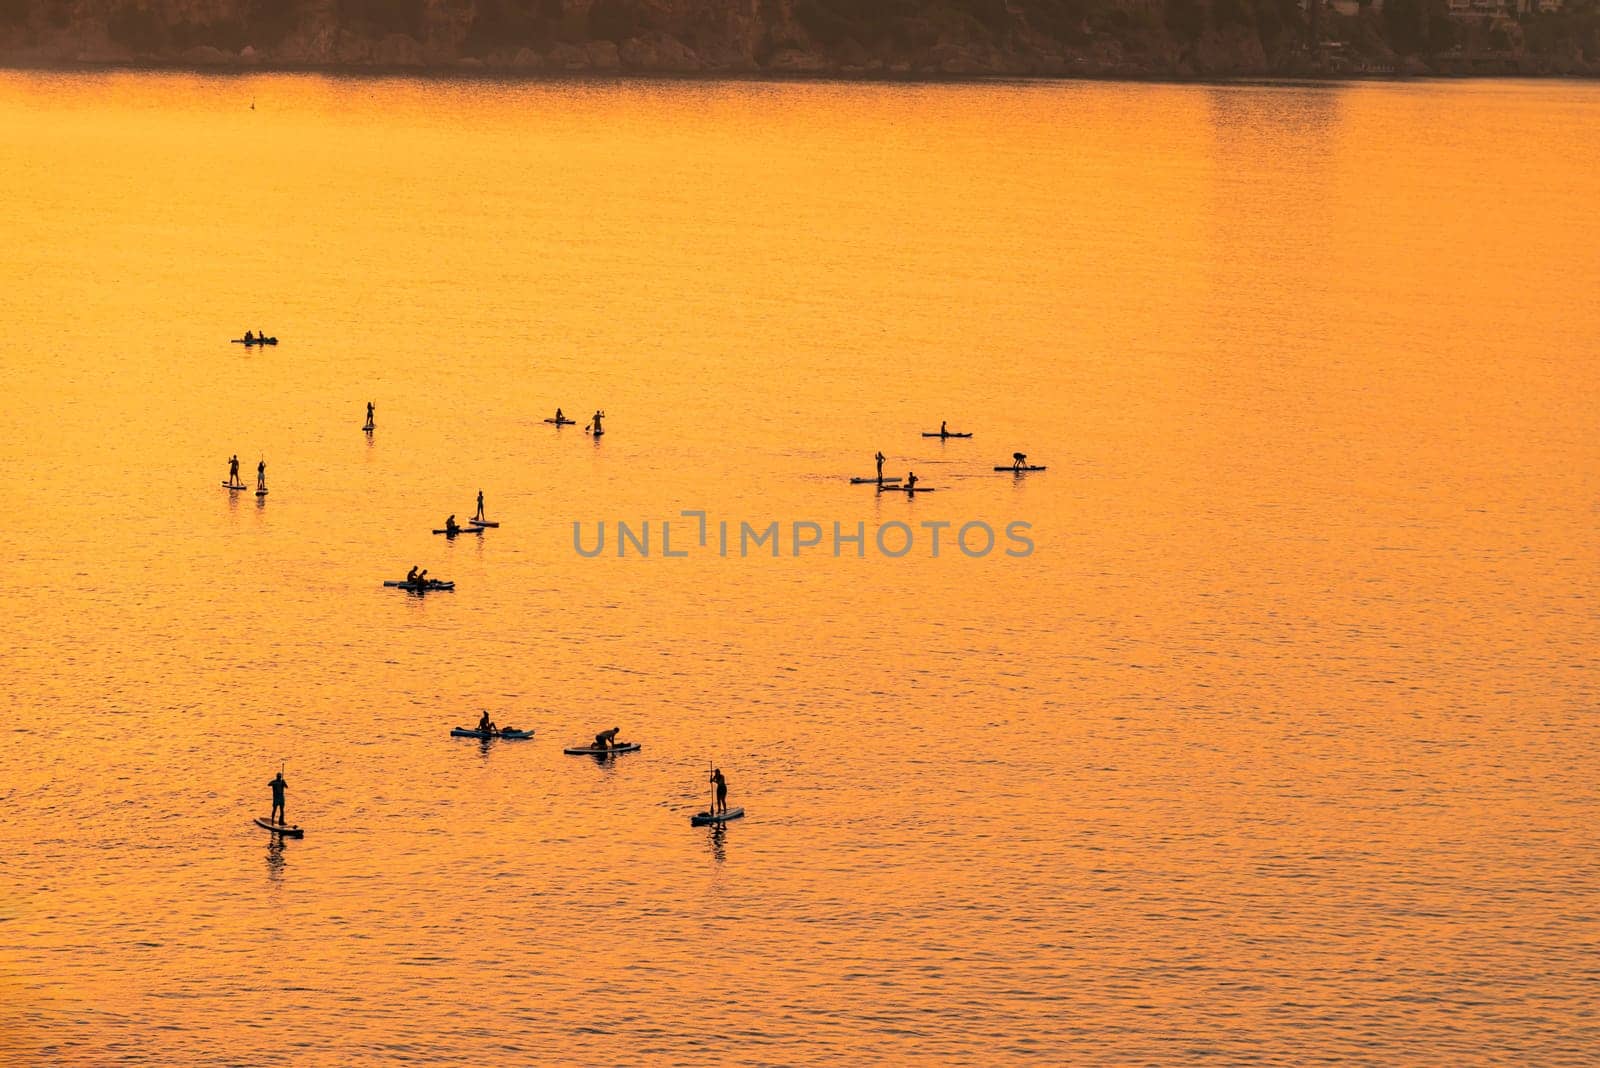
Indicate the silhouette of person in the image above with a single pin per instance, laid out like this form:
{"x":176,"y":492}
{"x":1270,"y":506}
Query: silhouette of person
{"x":480,"y":505}
{"x":233,"y":470}
{"x":369,"y":415}
{"x":911,"y":481}
{"x":450,"y":524}
{"x":879,"y":458}
{"x":1017,"y":460}
{"x":261,"y":474}
{"x":722,"y":791}
{"x":278,"y":787}
{"x":943,"y":433}
{"x":607,"y":739}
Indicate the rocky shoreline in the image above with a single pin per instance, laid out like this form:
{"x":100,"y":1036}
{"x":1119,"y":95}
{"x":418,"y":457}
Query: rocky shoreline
{"x":469,"y":68}
{"x":1125,"y":39}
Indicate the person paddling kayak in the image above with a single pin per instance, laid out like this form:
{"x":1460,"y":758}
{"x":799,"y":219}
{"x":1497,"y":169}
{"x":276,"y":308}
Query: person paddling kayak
{"x":607,"y":739}
{"x":722,"y":791}
{"x":278,"y":787}
{"x":559,"y":417}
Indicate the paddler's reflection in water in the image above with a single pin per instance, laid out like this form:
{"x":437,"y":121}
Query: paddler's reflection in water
{"x":275,"y":858}
{"x":718,"y":839}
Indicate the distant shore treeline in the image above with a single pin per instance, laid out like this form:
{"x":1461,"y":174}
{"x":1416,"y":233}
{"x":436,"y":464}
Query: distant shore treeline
{"x":865,"y":38}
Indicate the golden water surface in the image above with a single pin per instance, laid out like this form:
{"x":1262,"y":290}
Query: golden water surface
{"x":1281,"y":745}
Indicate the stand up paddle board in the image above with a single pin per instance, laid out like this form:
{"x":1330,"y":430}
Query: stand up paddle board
{"x":886,"y":488}
{"x":700,"y":819}
{"x":401,"y":584}
{"x":482,"y":523}
{"x":1019,"y":470}
{"x":459,"y":530}
{"x":280,"y":828}
{"x":510,"y":735}
{"x":563,"y":422}
{"x":936,"y":434}
{"x":261,"y":493}
{"x":589,"y":750}
{"x":866,"y":481}
{"x":235,"y":487}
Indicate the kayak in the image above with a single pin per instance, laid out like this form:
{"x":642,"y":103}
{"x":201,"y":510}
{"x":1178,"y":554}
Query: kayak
{"x":563,"y":422}
{"x":589,"y":750}
{"x":482,"y":523}
{"x":936,"y":434}
{"x":700,"y":819}
{"x":255,"y":341}
{"x":510,"y":735}
{"x":886,"y":488}
{"x":280,"y":828}
{"x":866,"y":481}
{"x":459,"y":530}
{"x":433,"y":584}
{"x":1019,"y":470}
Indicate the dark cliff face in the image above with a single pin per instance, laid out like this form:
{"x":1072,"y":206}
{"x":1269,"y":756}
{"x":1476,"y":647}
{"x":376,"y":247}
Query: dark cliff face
{"x":833,"y":37}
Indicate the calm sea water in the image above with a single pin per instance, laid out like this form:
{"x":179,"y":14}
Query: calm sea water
{"x":1280,"y":747}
